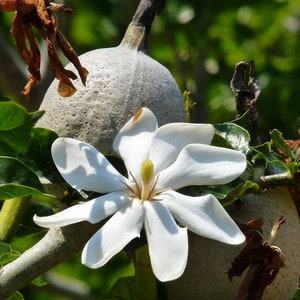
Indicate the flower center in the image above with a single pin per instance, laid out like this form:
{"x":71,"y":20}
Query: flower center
{"x":145,"y":190}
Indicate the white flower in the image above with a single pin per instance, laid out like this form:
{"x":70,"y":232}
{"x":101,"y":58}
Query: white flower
{"x":159,"y":161}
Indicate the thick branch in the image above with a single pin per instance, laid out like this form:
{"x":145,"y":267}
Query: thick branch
{"x":56,"y":246}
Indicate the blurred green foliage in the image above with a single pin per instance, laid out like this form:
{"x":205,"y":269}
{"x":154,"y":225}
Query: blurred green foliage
{"x":201,"y":42}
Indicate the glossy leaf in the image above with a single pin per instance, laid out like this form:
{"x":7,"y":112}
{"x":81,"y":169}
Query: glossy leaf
{"x":278,"y":142}
{"x":15,"y":126}
{"x":235,"y":135}
{"x":226,"y":193}
{"x":39,"y":158}
{"x":16,"y":179}
{"x":238,"y":191}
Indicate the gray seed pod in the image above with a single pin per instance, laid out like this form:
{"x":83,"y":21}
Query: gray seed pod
{"x":121,"y":80}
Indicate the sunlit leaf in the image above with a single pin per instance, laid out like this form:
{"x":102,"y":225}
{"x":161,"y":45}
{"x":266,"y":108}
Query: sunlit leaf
{"x":278,"y":142}
{"x":235,"y":135}
{"x":40,"y":281}
{"x":15,"y":126}
{"x":9,"y":191}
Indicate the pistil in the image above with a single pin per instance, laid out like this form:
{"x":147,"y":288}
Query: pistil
{"x":147,"y":173}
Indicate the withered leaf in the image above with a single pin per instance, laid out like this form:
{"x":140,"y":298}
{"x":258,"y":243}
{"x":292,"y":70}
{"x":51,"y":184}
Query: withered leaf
{"x":39,"y":14}
{"x":262,"y":259}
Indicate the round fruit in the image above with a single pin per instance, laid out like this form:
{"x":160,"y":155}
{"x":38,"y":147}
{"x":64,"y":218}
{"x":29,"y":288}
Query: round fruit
{"x":121,"y":80}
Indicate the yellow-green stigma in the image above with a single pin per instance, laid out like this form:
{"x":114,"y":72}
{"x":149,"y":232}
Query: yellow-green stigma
{"x":147,"y":173}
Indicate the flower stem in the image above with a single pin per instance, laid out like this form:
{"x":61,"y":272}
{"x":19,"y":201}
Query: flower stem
{"x":145,"y":280}
{"x":11,"y":215}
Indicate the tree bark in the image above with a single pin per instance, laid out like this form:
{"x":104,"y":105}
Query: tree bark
{"x":56,"y":246}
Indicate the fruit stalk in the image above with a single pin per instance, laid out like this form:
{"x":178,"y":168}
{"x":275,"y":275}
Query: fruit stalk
{"x":144,"y":17}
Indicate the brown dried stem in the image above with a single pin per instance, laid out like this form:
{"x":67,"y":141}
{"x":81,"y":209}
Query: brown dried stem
{"x":246,"y":94}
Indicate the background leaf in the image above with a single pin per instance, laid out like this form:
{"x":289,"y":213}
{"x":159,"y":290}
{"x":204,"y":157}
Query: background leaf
{"x":7,"y":254}
{"x":16,"y":296}
{"x":16,"y":179}
{"x":15,"y":126}
{"x":39,"y":158}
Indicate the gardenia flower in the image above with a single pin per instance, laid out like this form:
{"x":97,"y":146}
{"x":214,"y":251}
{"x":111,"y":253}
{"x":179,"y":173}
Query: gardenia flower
{"x":159,"y":161}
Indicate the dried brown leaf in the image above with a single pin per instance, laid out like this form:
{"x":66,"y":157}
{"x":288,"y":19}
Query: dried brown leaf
{"x":261,"y":258}
{"x":39,"y":14}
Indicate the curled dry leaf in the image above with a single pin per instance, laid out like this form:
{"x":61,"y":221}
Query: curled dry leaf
{"x":39,"y":14}
{"x":263,"y":259}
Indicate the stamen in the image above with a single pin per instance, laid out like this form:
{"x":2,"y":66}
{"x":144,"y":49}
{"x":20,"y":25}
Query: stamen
{"x":145,"y":190}
{"x":138,"y":190}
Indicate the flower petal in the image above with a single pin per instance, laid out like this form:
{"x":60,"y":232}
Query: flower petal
{"x":199,"y":164}
{"x":118,"y":231}
{"x":134,"y":139}
{"x":92,"y":211}
{"x":168,"y":243}
{"x":83,"y":167}
{"x":171,"y":138}
{"x":205,"y":216}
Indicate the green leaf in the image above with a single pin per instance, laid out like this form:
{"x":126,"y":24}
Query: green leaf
{"x":226,"y":193}
{"x":124,"y":288}
{"x":16,"y":179}
{"x":9,"y":191}
{"x":39,"y":157}
{"x":15,"y":126}
{"x":235,"y":135}
{"x":7,"y":254}
{"x":243,"y":121}
{"x":278,"y":142}
{"x":238,"y":191}
{"x":296,"y":295}
{"x":40,"y":281}
{"x":16,"y":296}
{"x":275,"y":162}
{"x":26,"y":241}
